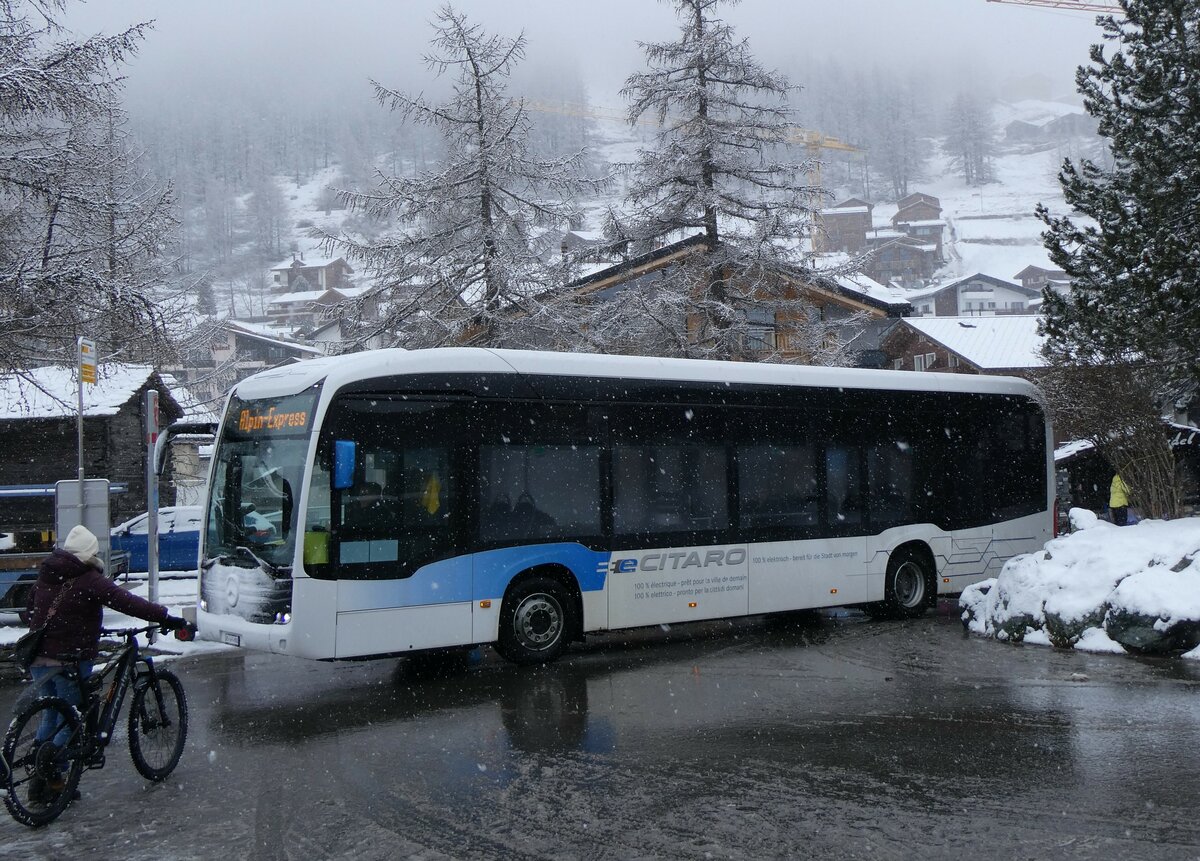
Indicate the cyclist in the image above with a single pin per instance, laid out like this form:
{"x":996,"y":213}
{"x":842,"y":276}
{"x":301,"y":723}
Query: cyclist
{"x":68,"y":600}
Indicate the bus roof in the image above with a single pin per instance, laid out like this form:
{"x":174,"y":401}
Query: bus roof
{"x":336,"y":371}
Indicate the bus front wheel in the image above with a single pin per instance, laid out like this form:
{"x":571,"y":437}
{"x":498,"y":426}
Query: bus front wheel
{"x":535,"y":622}
{"x":907,"y":589}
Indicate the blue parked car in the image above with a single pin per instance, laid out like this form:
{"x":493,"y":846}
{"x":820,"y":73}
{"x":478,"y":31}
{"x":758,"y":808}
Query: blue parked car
{"x":178,"y":539}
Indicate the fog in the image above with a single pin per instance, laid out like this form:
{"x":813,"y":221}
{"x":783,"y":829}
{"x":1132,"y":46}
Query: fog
{"x":323,"y":50}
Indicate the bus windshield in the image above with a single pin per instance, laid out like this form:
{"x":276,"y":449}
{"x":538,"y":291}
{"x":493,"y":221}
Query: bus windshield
{"x":257,"y":475}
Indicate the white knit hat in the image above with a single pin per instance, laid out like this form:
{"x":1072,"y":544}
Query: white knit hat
{"x":81,"y":544}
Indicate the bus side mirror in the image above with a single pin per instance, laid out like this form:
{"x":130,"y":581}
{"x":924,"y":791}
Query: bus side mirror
{"x":343,"y":463}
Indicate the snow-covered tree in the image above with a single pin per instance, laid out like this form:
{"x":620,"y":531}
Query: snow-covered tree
{"x":970,"y":138}
{"x":898,"y":151}
{"x":1134,"y":257}
{"x":82,"y":228}
{"x":714,"y":169}
{"x":1133,"y":309}
{"x":465,"y":264}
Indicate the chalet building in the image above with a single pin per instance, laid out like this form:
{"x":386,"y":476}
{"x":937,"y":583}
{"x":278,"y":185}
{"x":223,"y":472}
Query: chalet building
{"x":333,"y":337}
{"x":234,"y":350}
{"x":315,"y":274}
{"x":917,"y":206}
{"x":966,"y":345}
{"x":976,"y":296}
{"x":38,"y":438}
{"x":835,"y":297}
{"x":844,"y":227}
{"x":896,"y":257}
{"x":307,"y":310}
{"x":1067,"y":127}
{"x":1035,"y":278}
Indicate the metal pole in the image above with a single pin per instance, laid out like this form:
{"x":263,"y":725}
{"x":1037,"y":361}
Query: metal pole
{"x":151,"y":498}
{"x":79,"y":439}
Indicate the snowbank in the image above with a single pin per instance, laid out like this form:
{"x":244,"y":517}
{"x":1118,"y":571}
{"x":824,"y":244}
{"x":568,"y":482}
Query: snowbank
{"x":1100,"y":588}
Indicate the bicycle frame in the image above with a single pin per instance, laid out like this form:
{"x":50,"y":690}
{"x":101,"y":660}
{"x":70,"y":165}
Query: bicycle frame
{"x":100,"y":714}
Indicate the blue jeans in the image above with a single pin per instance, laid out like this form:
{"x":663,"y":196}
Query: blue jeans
{"x":59,"y":685}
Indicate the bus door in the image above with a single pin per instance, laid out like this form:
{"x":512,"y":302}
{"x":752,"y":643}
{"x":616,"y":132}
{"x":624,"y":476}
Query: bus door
{"x":835,"y":564}
{"x":395,"y":525}
{"x":800,"y":508}
{"x":673,"y":559}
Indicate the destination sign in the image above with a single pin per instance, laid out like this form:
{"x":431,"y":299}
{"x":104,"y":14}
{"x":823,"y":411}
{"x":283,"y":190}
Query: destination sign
{"x":248,"y":420}
{"x":270,"y":416}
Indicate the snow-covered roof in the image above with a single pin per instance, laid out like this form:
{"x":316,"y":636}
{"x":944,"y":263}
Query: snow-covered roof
{"x":846,"y":210}
{"x":927,"y":222}
{"x":305,"y":296}
{"x":269,"y":333}
{"x":307,"y":263}
{"x":1071,"y":448}
{"x":989,"y":343}
{"x":194,"y":410}
{"x":859,"y":283}
{"x":1038,"y":270}
{"x":52,"y":392}
{"x":994,"y":282}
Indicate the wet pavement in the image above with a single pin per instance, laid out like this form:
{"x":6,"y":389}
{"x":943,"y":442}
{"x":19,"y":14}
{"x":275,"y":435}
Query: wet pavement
{"x":791,"y":737}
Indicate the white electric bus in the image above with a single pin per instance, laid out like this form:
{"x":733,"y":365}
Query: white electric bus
{"x":380,"y":503}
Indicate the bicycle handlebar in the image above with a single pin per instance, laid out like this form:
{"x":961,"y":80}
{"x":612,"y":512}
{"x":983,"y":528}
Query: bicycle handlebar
{"x":128,"y":632}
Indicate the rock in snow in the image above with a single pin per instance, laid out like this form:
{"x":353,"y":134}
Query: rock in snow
{"x":1138,"y":586}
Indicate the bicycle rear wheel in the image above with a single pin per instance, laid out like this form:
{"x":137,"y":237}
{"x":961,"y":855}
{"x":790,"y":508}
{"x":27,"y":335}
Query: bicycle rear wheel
{"x":157,"y":725}
{"x":41,"y":777}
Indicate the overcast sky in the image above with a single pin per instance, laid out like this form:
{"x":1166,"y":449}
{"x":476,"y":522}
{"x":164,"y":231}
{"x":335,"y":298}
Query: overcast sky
{"x":325,"y":46}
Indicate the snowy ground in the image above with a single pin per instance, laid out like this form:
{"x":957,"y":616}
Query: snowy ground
{"x":1083,"y":577}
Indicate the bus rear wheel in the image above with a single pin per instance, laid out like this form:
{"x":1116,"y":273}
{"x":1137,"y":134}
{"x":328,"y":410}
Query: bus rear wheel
{"x":535,"y":622}
{"x":906,"y":594}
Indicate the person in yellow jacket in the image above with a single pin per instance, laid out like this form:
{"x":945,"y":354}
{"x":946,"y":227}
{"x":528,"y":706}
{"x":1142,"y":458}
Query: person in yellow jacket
{"x":1118,"y":501}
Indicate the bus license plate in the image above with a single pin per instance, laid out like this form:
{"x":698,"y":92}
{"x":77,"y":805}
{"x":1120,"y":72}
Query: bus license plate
{"x":231,"y":639}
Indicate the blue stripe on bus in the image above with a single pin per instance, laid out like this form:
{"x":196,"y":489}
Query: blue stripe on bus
{"x":494,"y":569}
{"x":474,"y":576}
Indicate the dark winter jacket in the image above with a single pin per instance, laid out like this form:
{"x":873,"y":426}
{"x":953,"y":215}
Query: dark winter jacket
{"x":74,"y":631}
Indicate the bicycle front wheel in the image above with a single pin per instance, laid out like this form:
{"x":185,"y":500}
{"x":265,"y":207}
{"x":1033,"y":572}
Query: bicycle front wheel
{"x":40,"y":776}
{"x":157,"y":725}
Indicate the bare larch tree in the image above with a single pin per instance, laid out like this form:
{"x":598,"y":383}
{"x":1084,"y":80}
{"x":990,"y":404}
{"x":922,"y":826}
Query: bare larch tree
{"x":465,"y":265}
{"x":83,"y":232}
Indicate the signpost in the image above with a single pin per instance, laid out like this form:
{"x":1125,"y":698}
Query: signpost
{"x":87,"y":374}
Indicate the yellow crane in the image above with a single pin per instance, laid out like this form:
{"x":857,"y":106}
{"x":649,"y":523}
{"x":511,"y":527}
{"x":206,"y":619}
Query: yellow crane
{"x":1112,"y":7}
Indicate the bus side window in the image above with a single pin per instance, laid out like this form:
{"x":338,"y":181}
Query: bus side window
{"x":843,"y":483}
{"x":539,"y":473}
{"x":890,"y":482}
{"x":670,"y":472}
{"x":777,"y":485}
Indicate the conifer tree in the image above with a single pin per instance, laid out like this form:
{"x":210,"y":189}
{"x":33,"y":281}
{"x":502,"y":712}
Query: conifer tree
{"x":1134,"y":256}
{"x":1132,"y":246}
{"x":464,"y":265}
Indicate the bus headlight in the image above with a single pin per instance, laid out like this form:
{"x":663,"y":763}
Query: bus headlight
{"x":283,"y":618}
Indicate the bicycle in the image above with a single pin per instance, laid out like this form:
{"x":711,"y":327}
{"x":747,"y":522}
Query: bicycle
{"x":41,"y":777}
